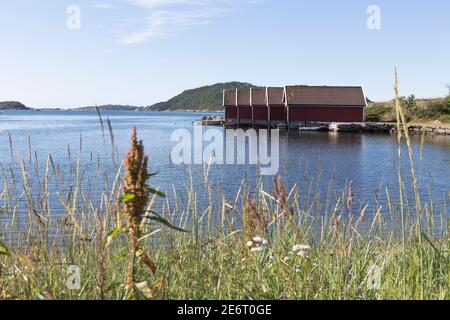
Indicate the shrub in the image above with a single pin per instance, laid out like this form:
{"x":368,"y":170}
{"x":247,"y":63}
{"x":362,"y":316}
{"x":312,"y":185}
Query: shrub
{"x":435,"y":110}
{"x":445,"y":119}
{"x":446,"y":105}
{"x":379,"y":113}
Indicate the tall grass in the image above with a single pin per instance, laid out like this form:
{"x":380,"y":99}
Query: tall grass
{"x":262,"y":243}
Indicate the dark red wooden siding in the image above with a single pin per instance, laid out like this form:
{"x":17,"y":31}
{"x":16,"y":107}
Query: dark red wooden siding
{"x":326,"y":114}
{"x":230,"y":113}
{"x":245,"y":113}
{"x":260,"y":113}
{"x":278,"y":113}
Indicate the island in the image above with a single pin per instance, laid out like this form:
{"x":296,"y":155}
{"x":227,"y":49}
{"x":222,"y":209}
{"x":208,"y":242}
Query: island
{"x":107,"y":107}
{"x":13,"y":105}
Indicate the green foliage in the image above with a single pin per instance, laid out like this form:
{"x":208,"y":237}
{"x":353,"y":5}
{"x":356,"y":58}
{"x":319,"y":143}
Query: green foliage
{"x":410,"y":106}
{"x":409,"y":102}
{"x":445,"y":119}
{"x":446,"y":105}
{"x":208,"y":98}
{"x":435,"y":110}
{"x":3,"y":250}
{"x":157,"y":218}
{"x":112,"y":234}
{"x":379,"y":113}
{"x":127,"y":197}
{"x":156,"y":192}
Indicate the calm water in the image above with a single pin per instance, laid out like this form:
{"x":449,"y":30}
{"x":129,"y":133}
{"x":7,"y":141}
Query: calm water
{"x":370,"y":161}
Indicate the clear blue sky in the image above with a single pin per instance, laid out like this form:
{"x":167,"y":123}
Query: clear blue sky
{"x":143,"y":51}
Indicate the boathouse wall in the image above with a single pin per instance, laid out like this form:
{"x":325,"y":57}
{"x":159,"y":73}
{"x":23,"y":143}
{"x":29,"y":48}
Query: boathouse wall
{"x":325,"y":114}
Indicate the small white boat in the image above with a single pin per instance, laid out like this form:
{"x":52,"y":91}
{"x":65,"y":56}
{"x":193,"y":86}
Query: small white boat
{"x":321,"y":128}
{"x":207,"y":122}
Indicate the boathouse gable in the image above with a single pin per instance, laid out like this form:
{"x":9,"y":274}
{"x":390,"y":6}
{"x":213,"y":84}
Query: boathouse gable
{"x":230,"y":106}
{"x":259,"y":106}
{"x":245,"y":113}
{"x":277,"y":107}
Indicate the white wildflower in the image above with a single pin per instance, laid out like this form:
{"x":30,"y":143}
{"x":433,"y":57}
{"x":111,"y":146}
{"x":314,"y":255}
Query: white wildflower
{"x":260,"y":240}
{"x":286,"y":259}
{"x":302,"y":254}
{"x":297,"y":270}
{"x":257,"y":249}
{"x":250,"y":244}
{"x":301,"y":247}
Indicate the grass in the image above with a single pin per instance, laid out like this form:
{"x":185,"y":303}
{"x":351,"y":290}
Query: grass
{"x":218,"y":264}
{"x":272,"y":243}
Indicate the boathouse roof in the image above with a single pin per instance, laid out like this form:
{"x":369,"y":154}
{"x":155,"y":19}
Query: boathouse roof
{"x":325,"y":96}
{"x":259,"y":96}
{"x":229,"y":97}
{"x":275,"y":95}
{"x":243,"y":97}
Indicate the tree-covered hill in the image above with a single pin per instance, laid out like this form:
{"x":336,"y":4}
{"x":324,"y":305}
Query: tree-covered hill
{"x":12,"y":105}
{"x":208,"y":98}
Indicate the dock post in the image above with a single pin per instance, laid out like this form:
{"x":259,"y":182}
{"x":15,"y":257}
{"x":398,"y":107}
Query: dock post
{"x":268,"y":108}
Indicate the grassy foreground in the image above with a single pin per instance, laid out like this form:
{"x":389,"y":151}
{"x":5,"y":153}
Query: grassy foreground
{"x":223,"y":267}
{"x":262,"y":245}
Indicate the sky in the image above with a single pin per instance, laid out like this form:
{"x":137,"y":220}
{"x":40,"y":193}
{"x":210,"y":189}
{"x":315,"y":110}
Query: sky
{"x":138,"y":52}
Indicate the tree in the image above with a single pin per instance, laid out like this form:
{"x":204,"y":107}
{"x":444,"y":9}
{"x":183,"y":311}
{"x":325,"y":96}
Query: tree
{"x":410,"y":104}
{"x":446,"y":106}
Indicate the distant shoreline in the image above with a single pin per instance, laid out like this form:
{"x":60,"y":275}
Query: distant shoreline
{"x":118,"y":110}
{"x":429,"y":111}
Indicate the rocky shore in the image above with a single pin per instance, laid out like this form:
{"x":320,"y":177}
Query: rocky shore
{"x":380,"y":127}
{"x":368,"y":127}
{"x":210,"y":121}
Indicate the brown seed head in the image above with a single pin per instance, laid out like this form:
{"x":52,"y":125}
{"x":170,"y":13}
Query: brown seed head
{"x":135,"y":184}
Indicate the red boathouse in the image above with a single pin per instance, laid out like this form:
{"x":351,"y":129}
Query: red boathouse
{"x":293,"y":106}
